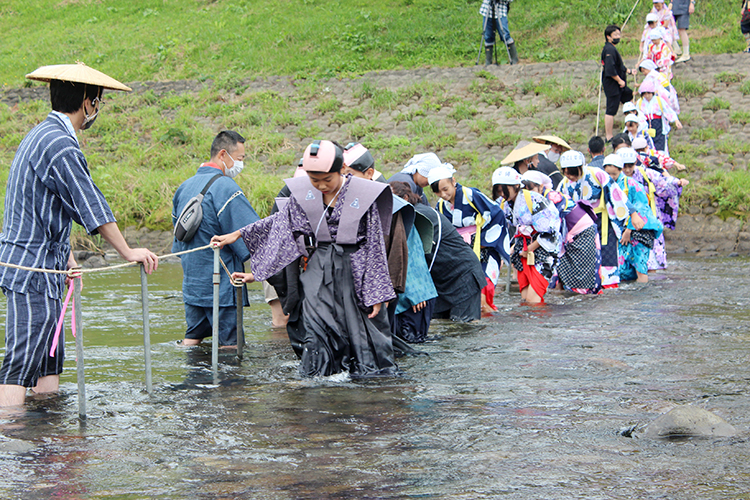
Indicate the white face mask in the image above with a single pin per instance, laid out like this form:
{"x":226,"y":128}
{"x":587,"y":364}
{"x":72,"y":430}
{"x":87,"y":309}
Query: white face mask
{"x":236,"y":168}
{"x":553,"y":156}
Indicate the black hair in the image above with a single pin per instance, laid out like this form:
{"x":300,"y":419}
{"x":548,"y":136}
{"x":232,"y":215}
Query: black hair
{"x":226,"y":140}
{"x":68,"y":97}
{"x":403,"y":190}
{"x":621,"y":138}
{"x":530,"y":185}
{"x":505,"y":190}
{"x":515,"y":165}
{"x":435,"y":186}
{"x":578,"y":169}
{"x":610,"y":29}
{"x":596,"y":145}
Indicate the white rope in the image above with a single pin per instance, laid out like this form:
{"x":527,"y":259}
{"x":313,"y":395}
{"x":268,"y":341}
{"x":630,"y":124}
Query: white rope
{"x":78,"y":271}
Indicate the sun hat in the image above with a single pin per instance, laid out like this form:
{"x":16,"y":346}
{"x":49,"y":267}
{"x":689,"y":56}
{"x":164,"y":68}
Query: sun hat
{"x":572,"y":159}
{"x":647,"y":64}
{"x":422,"y":163}
{"x":628,"y":155}
{"x":614,"y":159}
{"x":628,"y":107}
{"x":322,"y":156}
{"x":358,"y":157}
{"x":656,"y":33}
{"x":537,"y":177}
{"x":439,"y":173}
{"x":651,"y":17}
{"x":639,"y":143}
{"x":507,"y":176}
{"x":77,"y":73}
{"x":543,"y":139}
{"x":523,"y":150}
{"x":647,"y":86}
{"x":631,"y":119}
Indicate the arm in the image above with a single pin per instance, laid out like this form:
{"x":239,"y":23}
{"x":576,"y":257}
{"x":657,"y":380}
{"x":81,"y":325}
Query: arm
{"x":111,"y":233}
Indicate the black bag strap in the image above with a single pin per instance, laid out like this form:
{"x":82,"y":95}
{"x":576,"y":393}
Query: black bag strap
{"x":205,"y":189}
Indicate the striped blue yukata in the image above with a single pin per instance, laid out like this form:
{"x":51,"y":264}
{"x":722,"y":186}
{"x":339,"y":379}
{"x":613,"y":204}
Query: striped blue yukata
{"x":49,"y":186}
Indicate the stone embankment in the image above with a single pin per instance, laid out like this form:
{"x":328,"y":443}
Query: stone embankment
{"x":476,"y":114}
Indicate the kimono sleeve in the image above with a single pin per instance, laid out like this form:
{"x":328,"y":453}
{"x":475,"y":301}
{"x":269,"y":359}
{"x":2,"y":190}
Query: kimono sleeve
{"x":69,"y":178}
{"x":372,"y":281}
{"x":234,"y":213}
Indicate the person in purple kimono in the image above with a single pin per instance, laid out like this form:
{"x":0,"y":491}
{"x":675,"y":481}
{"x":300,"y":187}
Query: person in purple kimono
{"x":338,"y":224}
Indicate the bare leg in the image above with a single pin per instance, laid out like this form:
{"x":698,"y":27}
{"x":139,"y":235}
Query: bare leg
{"x":486,"y":309}
{"x":685,"y":46}
{"x":278,"y":318}
{"x":12,"y":395}
{"x":531,"y":296}
{"x":50,"y":383}
{"x":642,"y":278}
{"x":191,"y":341}
{"x":609,"y":123}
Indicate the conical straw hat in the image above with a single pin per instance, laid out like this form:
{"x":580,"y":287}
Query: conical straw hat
{"x":79,"y":73}
{"x":553,"y":139}
{"x":524,"y":150}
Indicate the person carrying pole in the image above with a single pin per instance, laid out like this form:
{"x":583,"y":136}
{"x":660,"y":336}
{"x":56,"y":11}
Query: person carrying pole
{"x":495,"y":14}
{"x":50,"y":186}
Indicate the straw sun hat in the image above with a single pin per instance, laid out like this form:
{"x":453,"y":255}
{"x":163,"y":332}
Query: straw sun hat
{"x":78,"y":73}
{"x":524,"y":150}
{"x":543,"y":139}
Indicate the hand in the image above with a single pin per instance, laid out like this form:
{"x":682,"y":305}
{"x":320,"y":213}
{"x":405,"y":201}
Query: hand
{"x":145,"y":256}
{"x":72,"y":264}
{"x":375,"y":311}
{"x":638,"y":222}
{"x":621,"y":83}
{"x":523,"y":253}
{"x":625,"y":237}
{"x":244,"y":277}
{"x":683,"y":182}
{"x":691,"y":9}
{"x":680,"y":166}
{"x":418,"y":307}
{"x":225,"y":239}
{"x":678,"y":124}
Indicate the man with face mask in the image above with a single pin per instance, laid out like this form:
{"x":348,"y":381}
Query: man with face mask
{"x":225,"y":209}
{"x":50,"y":186}
{"x":614,"y":75}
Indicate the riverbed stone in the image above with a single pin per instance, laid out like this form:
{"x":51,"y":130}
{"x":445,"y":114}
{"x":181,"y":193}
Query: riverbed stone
{"x":689,"y":421}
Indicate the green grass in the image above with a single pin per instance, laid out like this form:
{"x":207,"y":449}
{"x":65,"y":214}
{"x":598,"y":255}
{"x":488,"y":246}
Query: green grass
{"x":729,"y":77}
{"x":741,"y":117}
{"x":745,"y":87}
{"x":583,"y":108}
{"x":463,"y":111}
{"x":716,"y":104}
{"x":230,"y":41}
{"x":706,"y":134}
{"x":690,"y":88}
{"x":730,"y":190}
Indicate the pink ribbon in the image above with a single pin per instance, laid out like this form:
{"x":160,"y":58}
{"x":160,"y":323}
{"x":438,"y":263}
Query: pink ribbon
{"x":56,"y":338}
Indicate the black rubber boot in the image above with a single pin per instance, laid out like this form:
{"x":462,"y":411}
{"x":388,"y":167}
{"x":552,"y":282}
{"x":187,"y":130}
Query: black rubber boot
{"x":513,"y":53}
{"x":488,"y":55}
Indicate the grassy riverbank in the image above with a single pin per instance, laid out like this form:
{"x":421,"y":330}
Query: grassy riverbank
{"x":147,"y":142}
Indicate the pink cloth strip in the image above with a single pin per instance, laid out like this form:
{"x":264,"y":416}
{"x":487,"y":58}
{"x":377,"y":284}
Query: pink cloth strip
{"x":56,"y":338}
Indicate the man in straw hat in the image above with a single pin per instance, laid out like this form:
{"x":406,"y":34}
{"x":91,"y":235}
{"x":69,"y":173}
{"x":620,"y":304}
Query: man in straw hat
{"x":548,"y":159}
{"x":525,"y":156}
{"x":49,"y":187}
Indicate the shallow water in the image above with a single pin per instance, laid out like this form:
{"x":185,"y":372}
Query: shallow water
{"x":526,"y":404}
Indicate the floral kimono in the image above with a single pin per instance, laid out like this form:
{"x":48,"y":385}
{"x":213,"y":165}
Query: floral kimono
{"x":659,"y":114}
{"x":634,"y":256}
{"x":664,"y":89}
{"x":664,"y":194}
{"x":580,"y":258}
{"x":536,"y":219}
{"x":475,"y":212}
{"x":601,"y":193}
{"x":663,"y":57}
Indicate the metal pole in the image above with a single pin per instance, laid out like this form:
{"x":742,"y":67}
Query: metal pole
{"x":77,"y":285}
{"x":215,"y":334}
{"x":599,"y":101}
{"x":481,"y":44}
{"x":146,"y":330}
{"x":240,"y":328}
{"x":510,"y":275}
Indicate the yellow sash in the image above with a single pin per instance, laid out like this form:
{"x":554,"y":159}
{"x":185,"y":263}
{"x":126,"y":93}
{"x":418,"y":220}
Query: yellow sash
{"x":479,"y":221}
{"x":602,"y":209}
{"x":651,"y":190}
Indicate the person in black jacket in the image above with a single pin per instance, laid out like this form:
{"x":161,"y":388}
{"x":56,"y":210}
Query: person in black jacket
{"x":614,"y":75}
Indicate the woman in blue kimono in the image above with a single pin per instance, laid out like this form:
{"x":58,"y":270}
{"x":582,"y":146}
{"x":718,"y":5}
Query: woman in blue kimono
{"x":479,"y":220}
{"x":643,"y":226}
{"x":597,"y":189}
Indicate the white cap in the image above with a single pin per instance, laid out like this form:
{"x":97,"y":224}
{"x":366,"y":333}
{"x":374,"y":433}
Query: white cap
{"x":506,"y":175}
{"x":651,"y":17}
{"x":631,"y":118}
{"x":656,"y":33}
{"x":639,"y":143}
{"x":614,"y":159}
{"x":628,"y":155}
{"x":440,"y":173}
{"x":628,"y":107}
{"x":647,"y":64}
{"x":571,"y":159}
{"x":537,"y":177}
{"x":422,"y":163}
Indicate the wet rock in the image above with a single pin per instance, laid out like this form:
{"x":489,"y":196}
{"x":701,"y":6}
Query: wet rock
{"x":15,"y":445}
{"x":689,"y":421}
{"x":94,"y":261}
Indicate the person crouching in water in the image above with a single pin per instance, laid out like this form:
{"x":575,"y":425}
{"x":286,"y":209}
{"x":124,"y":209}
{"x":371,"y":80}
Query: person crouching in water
{"x":580,"y":258}
{"x":346,"y":280}
{"x":537,"y":241}
{"x":642,"y":228}
{"x":410,"y":315}
{"x":480,"y":221}
{"x":597,"y":189}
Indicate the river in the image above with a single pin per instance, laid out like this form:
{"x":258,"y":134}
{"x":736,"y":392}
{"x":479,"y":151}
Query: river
{"x":527,"y":404}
